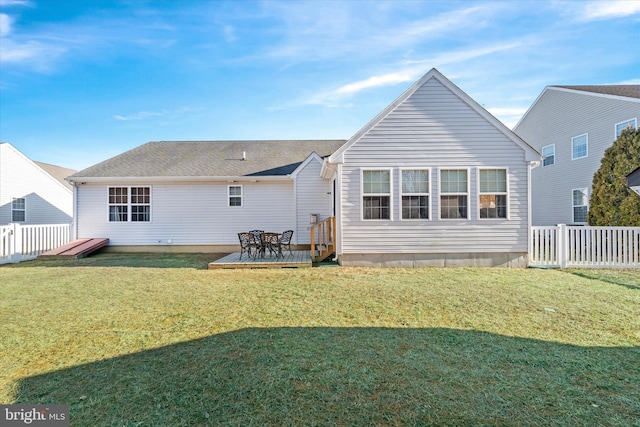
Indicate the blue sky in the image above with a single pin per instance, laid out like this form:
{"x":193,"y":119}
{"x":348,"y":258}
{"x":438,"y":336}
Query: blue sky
{"x":81,"y":81}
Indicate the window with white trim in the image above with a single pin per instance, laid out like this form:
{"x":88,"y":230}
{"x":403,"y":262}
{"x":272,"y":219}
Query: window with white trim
{"x":454,"y":191}
{"x":493,"y":193}
{"x":140,"y":204}
{"x":580,"y":201}
{"x":631,"y":123}
{"x":415,"y":194}
{"x":18,"y":209}
{"x":549,"y":155}
{"x":125,"y":200}
{"x":579,"y":146}
{"x":376,"y":194}
{"x":235,"y":195}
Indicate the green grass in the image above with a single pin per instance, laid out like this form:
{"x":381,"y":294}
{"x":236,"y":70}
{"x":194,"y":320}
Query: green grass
{"x":158,"y":340}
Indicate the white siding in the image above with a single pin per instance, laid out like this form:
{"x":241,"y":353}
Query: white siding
{"x":435,"y":129}
{"x":555,"y":118}
{"x":314,"y":195}
{"x":189,"y":214}
{"x":47,"y":200}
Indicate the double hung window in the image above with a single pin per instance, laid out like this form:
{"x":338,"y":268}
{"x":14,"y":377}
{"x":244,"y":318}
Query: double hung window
{"x":415,"y":194}
{"x":18,"y":209}
{"x":549,"y":155}
{"x":632,"y":123}
{"x":235,"y":195}
{"x":493,"y":193}
{"x":580,"y":205}
{"x":579,"y":146}
{"x":454,"y":190}
{"x":125,"y":201}
{"x":376,"y":194}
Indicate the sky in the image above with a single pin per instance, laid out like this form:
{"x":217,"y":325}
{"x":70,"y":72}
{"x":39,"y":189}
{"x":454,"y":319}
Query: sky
{"x":82,"y":81}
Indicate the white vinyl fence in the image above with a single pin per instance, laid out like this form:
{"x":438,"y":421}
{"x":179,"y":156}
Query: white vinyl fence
{"x":24,"y":242}
{"x":582,"y":246}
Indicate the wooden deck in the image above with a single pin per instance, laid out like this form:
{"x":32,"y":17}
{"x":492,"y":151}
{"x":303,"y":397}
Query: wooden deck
{"x":77,"y":249}
{"x":299,"y":259}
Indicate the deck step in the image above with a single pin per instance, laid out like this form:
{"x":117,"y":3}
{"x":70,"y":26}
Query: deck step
{"x":79,"y":248}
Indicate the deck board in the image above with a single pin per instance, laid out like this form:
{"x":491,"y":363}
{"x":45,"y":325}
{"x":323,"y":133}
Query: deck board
{"x":298,"y":259}
{"x":79,"y":248}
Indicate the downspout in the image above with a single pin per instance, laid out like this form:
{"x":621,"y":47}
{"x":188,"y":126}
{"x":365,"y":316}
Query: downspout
{"x":338,"y":213}
{"x":531,"y":166}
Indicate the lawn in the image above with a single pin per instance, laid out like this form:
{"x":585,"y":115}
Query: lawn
{"x":150,"y":340}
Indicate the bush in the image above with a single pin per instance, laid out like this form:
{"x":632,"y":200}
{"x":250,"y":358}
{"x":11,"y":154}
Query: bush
{"x":612,"y":203}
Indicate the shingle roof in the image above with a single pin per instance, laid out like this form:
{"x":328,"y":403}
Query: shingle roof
{"x":211,"y":159}
{"x":629,"y":91}
{"x":58,"y":172}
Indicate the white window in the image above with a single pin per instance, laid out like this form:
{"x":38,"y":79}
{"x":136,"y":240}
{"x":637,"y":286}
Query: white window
{"x":493,"y":193}
{"x":549,"y":155}
{"x":579,"y":146}
{"x":454,"y":191}
{"x":125,"y":200}
{"x":415,"y":194}
{"x":18,"y":209}
{"x":580,"y":200}
{"x":235,"y":195}
{"x":631,"y":123}
{"x":140,"y":204}
{"x":376,"y":194}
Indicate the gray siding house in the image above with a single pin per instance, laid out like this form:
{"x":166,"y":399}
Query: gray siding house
{"x":199,"y":195}
{"x":32,"y":192}
{"x":433,"y":180}
{"x":572,"y":126}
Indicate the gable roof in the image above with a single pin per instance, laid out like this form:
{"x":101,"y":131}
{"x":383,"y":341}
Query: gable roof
{"x":530,"y":153}
{"x":58,"y":172}
{"x":627,"y":91}
{"x":209,"y":159}
{"x":630,"y":93}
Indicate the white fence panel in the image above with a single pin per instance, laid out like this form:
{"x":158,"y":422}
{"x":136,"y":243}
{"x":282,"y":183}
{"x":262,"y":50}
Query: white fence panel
{"x":582,"y":246}
{"x":24,"y":242}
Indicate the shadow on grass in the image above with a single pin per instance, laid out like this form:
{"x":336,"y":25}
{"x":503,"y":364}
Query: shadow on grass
{"x":351,"y":376}
{"x":198,"y":261}
{"x":629,"y":279}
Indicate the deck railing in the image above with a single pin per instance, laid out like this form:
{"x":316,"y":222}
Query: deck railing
{"x":323,"y":238}
{"x":582,"y":246}
{"x":23,"y":242}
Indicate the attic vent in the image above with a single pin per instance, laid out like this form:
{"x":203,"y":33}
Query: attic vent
{"x":244,"y":157}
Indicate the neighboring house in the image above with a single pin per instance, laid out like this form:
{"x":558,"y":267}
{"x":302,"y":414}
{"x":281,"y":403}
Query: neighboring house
{"x":572,"y":126}
{"x":33,"y":192}
{"x":633,"y":180}
{"x":434,"y":179}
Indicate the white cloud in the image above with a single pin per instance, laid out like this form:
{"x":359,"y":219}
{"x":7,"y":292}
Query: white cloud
{"x":610,"y":9}
{"x":6,"y":3}
{"x":410,"y":72}
{"x":5,"y":24}
{"x":142,"y":115}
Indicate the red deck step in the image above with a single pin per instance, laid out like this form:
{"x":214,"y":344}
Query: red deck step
{"x":79,"y":248}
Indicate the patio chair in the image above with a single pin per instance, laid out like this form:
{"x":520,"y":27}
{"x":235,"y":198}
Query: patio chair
{"x":246,"y":243}
{"x":256,"y":237}
{"x":285,"y":240}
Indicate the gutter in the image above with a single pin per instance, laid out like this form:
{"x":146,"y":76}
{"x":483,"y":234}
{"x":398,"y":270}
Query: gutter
{"x":79,"y":180}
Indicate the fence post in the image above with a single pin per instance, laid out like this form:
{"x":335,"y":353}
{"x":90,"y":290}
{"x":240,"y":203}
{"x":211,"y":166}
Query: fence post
{"x":563,"y":245}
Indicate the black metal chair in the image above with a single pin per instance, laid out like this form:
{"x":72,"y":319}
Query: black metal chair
{"x":285,"y":240}
{"x":246,"y":243}
{"x":256,"y":237}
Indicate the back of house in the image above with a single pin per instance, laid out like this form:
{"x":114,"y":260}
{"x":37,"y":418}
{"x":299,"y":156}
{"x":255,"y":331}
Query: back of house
{"x":433,"y":180}
{"x":198,"y":195}
{"x":572,"y":126}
